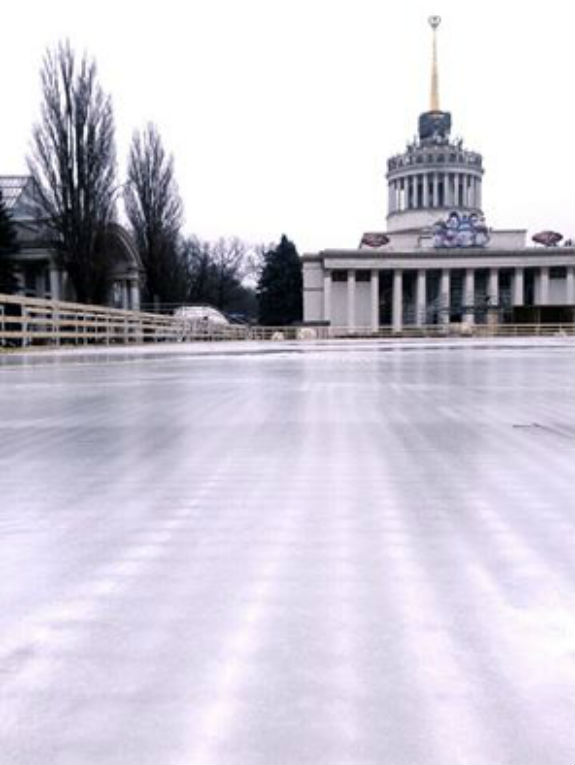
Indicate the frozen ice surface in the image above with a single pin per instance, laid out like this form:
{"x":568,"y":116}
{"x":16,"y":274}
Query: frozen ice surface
{"x":288,"y":554}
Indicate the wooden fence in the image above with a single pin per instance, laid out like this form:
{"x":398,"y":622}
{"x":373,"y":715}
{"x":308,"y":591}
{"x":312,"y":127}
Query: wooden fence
{"x":26,"y":322}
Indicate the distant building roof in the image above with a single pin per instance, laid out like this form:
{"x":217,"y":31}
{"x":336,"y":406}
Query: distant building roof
{"x":13,"y":189}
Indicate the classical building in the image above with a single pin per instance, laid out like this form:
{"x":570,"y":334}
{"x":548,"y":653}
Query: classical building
{"x":37,"y":268}
{"x":438,"y":262}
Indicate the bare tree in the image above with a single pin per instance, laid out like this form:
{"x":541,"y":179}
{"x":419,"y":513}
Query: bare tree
{"x":229,"y":259}
{"x":154,"y":208}
{"x":197,"y":256}
{"x":73,"y":164}
{"x":219,"y":273}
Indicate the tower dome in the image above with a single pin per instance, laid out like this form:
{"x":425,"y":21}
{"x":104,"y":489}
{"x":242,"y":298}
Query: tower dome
{"x":436,"y":174}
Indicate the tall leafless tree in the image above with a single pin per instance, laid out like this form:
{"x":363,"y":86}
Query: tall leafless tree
{"x":154,"y":208}
{"x":198,"y":263}
{"x":229,"y":257}
{"x":219,"y":273}
{"x":73,"y":163}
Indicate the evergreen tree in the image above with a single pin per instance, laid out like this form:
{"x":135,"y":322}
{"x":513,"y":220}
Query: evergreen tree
{"x":8,"y":246}
{"x":280,"y":286}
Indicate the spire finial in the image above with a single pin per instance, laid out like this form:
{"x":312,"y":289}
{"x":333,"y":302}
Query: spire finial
{"x":434,"y":22}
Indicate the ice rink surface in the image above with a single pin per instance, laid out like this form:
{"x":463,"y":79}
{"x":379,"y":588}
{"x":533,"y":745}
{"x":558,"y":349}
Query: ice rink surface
{"x":331,"y":554}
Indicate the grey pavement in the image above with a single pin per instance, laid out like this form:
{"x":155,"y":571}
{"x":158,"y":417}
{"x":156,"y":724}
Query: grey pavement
{"x":288,"y":554}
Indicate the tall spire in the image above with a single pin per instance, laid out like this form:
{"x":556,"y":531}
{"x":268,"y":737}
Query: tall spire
{"x":434,"y":22}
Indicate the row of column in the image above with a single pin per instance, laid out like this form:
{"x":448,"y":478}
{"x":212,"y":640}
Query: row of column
{"x":445,"y":294}
{"x":518,"y":292}
{"x":129,"y":289}
{"x":434,"y":189}
{"x":351,"y":289}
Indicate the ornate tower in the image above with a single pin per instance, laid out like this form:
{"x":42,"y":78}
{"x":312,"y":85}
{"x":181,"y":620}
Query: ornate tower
{"x":435,"y":174}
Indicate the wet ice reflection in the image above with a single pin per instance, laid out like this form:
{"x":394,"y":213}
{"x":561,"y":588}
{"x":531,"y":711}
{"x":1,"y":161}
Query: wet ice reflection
{"x":318,"y":554}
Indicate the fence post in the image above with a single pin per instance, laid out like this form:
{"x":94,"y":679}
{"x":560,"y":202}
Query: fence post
{"x":24,"y":326}
{"x":55,"y":323}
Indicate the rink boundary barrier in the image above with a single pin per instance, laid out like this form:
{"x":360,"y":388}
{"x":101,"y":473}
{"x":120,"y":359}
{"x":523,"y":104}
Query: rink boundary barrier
{"x":28,"y":322}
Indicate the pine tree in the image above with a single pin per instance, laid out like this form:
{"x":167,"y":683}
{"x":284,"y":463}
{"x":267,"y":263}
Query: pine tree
{"x":8,"y":246}
{"x":280,"y":286}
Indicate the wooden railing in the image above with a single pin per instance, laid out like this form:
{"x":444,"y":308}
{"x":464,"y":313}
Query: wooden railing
{"x":26,"y":322}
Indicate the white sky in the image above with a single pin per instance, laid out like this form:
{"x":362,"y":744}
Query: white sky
{"x":281,"y":113}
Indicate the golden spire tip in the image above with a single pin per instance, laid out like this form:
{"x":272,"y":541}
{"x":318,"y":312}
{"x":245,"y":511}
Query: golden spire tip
{"x":434,"y":22}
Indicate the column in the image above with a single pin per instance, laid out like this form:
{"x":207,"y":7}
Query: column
{"x":327,"y":296}
{"x":478,"y":193}
{"x":456,"y":198}
{"x":493,"y":287}
{"x":416,"y":200}
{"x":40,"y":285}
{"x":351,"y":298}
{"x":518,"y":286}
{"x":421,"y":298}
{"x":435,"y":189}
{"x":134,"y":295}
{"x":426,"y":190}
{"x":543,"y":285}
{"x":55,"y":284}
{"x":397,"y":301}
{"x":469,"y":296}
{"x":493,"y":297}
{"x":449,"y":190}
{"x":375,"y":299}
{"x":570,"y":286}
{"x":444,"y":295}
{"x":125,"y":304}
{"x":536,"y":286}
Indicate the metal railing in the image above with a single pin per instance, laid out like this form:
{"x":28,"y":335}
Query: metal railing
{"x":26,"y":322}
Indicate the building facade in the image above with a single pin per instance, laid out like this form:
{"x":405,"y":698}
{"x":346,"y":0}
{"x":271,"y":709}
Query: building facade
{"x":36,"y":265}
{"x":438,"y":262}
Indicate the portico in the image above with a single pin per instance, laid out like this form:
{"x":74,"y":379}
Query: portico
{"x":350,"y":293}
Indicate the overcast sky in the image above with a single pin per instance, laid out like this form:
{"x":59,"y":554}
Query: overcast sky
{"x":281,"y":114}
